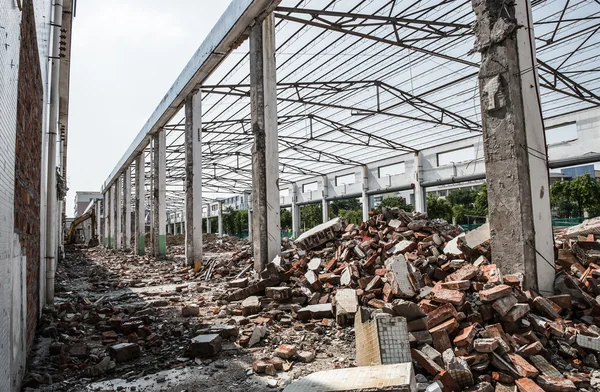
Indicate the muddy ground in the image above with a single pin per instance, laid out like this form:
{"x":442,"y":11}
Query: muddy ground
{"x":100,"y":293}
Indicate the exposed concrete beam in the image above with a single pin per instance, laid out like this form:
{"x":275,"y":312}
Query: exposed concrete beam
{"x":159,"y":191}
{"x":365,"y":196}
{"x":127,"y":209}
{"x":265,"y":151}
{"x":514,"y":143}
{"x":420,"y":204}
{"x":193,"y":184}
{"x":140,"y":205}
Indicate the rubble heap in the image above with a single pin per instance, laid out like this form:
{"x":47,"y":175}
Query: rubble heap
{"x":462,"y":321}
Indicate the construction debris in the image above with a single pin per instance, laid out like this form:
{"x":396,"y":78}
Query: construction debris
{"x":400,"y":290}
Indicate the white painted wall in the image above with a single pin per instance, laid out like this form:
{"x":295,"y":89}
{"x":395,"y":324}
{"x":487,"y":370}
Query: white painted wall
{"x":12,"y":262}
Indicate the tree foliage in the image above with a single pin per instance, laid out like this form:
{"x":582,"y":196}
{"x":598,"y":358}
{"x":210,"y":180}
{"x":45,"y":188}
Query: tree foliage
{"x":344,"y":204}
{"x":439,"y":208}
{"x":235,"y":222}
{"x":396,"y":201}
{"x":575,"y":197}
{"x":286,"y":219}
{"x":311,"y":215}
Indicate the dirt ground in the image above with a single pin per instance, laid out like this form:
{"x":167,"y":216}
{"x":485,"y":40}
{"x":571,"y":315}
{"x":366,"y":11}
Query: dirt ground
{"x":100,"y":293}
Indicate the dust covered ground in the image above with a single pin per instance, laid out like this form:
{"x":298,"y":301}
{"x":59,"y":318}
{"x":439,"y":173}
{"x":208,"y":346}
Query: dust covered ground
{"x":106,"y":297}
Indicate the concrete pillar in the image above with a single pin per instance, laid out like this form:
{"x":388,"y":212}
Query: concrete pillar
{"x":295,"y":212}
{"x":514,"y":143}
{"x":99,"y":231}
{"x":193,"y":187}
{"x":106,"y":217}
{"x":250,"y":224}
{"x":420,"y":198}
{"x":119,"y":212}
{"x":265,"y":150}
{"x":365,"y":197}
{"x":159,"y":192}
{"x":324,"y":202}
{"x":220,"y":218}
{"x":113,"y":215}
{"x":127,"y":208}
{"x":140,"y":205}
{"x":208,"y":225}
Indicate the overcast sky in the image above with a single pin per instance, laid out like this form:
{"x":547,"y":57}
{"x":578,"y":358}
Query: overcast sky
{"x":125,"y":56}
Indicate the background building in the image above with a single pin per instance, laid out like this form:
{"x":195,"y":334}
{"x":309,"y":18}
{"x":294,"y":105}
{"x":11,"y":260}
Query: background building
{"x":82,"y":201}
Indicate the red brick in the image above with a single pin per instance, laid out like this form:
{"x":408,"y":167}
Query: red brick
{"x":524,"y":368}
{"x":448,"y":326}
{"x":425,"y":362}
{"x":285,"y":351}
{"x":553,"y":384}
{"x":446,"y":296}
{"x":465,"y":336}
{"x":527,"y":385}
{"x":440,"y":315}
{"x":495,"y":293}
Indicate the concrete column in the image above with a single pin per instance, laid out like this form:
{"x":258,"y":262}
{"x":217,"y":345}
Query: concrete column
{"x":159,"y":191}
{"x":127,"y":209}
{"x":99,"y":232}
{"x":193,"y":187}
{"x":220,"y":218}
{"x":514,"y":143}
{"x":265,"y":150}
{"x":295,"y":212}
{"x":365,"y":197}
{"x":140,"y":205}
{"x":324,"y":202}
{"x":119,"y":212}
{"x":113,"y":215}
{"x":420,"y":194}
{"x":106,"y":217}
{"x":208,"y":225}
{"x":250,"y":224}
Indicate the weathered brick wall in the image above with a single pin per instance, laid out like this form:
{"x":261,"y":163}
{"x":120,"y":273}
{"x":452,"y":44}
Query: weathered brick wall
{"x":28,"y":149}
{"x":23,"y":90}
{"x":10,"y":18}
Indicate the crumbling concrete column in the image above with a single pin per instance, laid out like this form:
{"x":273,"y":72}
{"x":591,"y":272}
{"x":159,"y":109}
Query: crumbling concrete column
{"x":295,"y":212}
{"x":365,"y":197}
{"x":324,"y":202}
{"x":119,"y":212}
{"x":113,"y":214}
{"x":514,"y":143}
{"x":265,"y":150}
{"x":220,"y":218}
{"x":159,"y":192}
{"x":127,"y":208}
{"x":98,"y":228}
{"x":140,"y":204}
{"x":208,"y":225}
{"x":106,"y":216}
{"x":250,"y":224}
{"x":420,"y":194}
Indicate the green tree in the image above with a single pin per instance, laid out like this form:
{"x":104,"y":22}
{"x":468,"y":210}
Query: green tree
{"x":396,"y":201}
{"x":480,"y":205}
{"x":286,"y":219}
{"x":311,"y":215}
{"x":464,"y":197}
{"x":344,"y":204}
{"x":560,"y":199}
{"x":585,"y":192}
{"x":352,"y":216}
{"x":438,"y":208}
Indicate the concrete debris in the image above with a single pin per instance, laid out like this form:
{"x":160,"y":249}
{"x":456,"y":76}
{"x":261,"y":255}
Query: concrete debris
{"x":397,"y":290}
{"x":397,"y":377}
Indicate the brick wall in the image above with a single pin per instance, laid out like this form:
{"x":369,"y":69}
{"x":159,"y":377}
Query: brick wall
{"x":28,"y":149}
{"x":10,"y":18}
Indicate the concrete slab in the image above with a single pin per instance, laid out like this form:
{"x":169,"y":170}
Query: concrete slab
{"x":320,"y":234}
{"x":397,"y":377}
